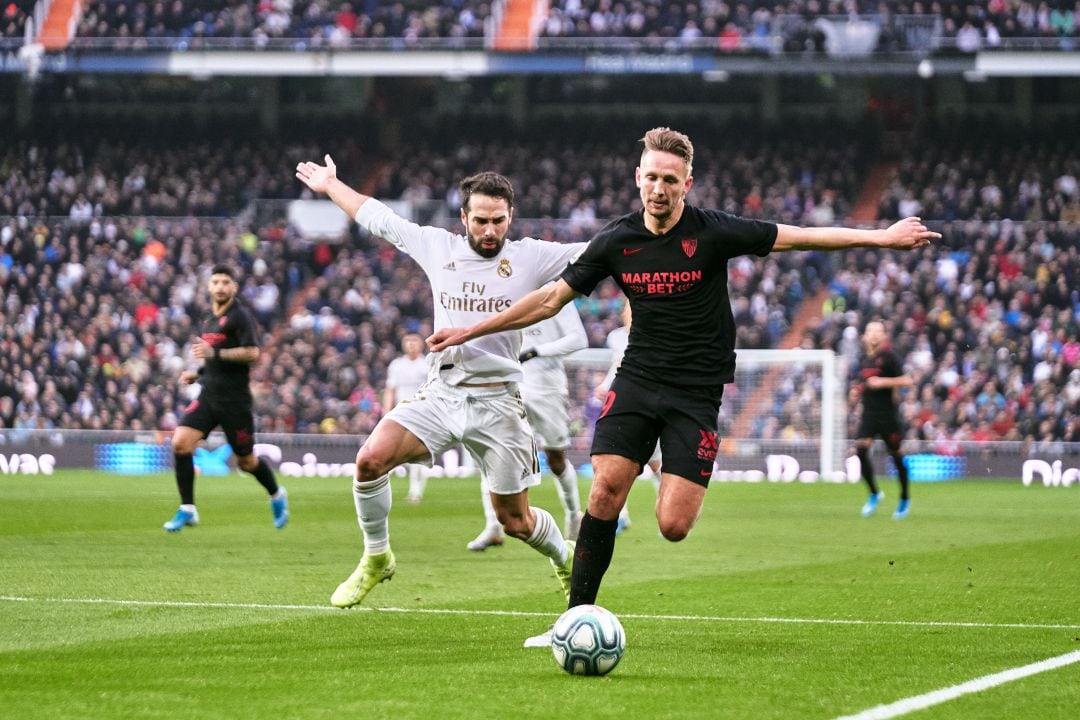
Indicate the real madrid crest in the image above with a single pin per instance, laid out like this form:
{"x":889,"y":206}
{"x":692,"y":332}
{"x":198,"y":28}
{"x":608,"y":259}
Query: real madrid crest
{"x":504,"y":268}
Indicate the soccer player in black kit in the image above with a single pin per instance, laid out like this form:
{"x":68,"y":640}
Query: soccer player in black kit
{"x":880,"y":372}
{"x":670,"y":259}
{"x":228,"y":347}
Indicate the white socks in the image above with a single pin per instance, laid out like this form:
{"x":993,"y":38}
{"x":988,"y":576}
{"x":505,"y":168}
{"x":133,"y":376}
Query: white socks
{"x":491,"y":522}
{"x":417,"y":481}
{"x":372,"y":500}
{"x":568,"y":489}
{"x":547,"y":538}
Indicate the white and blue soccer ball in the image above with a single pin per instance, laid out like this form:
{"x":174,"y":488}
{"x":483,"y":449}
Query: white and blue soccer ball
{"x":588,"y":640}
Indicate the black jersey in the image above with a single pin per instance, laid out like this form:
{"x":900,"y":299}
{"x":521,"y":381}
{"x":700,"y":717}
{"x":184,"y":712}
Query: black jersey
{"x":223,"y":380}
{"x":683,"y":331}
{"x":883,"y":363}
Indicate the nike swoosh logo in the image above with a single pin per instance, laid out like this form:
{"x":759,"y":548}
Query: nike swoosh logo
{"x":631,"y":251}
{"x":705,"y":473}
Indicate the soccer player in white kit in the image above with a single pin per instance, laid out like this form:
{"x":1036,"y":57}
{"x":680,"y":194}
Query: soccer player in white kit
{"x":471,"y":397}
{"x":546,"y":394}
{"x":404,"y":376}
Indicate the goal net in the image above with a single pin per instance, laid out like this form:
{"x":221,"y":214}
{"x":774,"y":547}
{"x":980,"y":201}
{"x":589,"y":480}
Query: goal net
{"x":783,"y":419}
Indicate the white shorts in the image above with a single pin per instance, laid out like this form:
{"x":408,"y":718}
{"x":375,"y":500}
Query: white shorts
{"x":489,"y":422}
{"x":549,"y":419}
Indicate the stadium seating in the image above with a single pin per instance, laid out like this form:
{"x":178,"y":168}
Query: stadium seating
{"x":746,"y":26}
{"x":98,"y":291}
{"x":293,"y":24}
{"x":988,"y":318}
{"x":13,"y":17}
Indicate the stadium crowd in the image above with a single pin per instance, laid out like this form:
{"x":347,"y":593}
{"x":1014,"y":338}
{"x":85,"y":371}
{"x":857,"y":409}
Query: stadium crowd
{"x":13,"y":16}
{"x":758,"y":25}
{"x":304,"y":24}
{"x":989,"y":320}
{"x":733,"y":26}
{"x":99,"y":295}
{"x":988,"y":323}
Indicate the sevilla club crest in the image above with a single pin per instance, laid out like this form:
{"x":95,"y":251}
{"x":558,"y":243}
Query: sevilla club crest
{"x":689,"y":246}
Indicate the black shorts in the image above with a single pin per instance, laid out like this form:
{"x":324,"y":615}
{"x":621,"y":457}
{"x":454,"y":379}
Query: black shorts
{"x":886,"y":427}
{"x":637,"y":412}
{"x":236,"y":420}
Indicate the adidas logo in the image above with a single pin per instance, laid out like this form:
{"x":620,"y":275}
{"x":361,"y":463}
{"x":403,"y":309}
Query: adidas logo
{"x":450,"y":266}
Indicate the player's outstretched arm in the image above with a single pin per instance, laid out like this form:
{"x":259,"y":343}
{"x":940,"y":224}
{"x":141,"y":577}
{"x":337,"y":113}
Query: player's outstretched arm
{"x":201,"y":350}
{"x":881,"y":383}
{"x":324,"y":179}
{"x":907,"y":234}
{"x":534,"y":307}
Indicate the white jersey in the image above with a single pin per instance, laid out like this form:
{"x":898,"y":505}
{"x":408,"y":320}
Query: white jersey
{"x":467,"y":288}
{"x":617,"y":340}
{"x":405,"y":376}
{"x":552,"y":339}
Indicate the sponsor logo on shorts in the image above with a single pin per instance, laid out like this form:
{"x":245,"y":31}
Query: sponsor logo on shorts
{"x":708,"y":445}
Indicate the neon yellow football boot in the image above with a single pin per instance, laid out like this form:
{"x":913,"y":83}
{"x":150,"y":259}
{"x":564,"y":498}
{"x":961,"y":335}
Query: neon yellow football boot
{"x":371,"y":571}
{"x":563,"y":571}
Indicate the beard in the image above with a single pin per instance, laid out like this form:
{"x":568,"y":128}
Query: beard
{"x":222,"y":302}
{"x":479,"y":249}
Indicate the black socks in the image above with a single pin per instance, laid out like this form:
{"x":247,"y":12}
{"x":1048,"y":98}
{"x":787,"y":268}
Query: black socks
{"x":592,"y":556}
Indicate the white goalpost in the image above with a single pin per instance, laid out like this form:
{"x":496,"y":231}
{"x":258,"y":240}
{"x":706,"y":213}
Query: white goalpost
{"x":784,"y":418}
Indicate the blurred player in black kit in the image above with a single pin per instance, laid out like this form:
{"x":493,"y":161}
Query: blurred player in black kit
{"x":880,"y":373}
{"x":228,"y":348}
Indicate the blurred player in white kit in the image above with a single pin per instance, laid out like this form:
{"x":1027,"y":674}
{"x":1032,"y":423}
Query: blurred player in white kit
{"x":546,"y":394}
{"x":405,"y":375}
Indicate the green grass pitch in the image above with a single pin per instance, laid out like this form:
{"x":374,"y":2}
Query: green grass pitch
{"x":783,"y":603}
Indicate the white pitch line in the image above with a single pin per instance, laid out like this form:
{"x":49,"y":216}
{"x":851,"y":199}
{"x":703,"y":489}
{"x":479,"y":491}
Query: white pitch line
{"x":522,"y":613}
{"x":920,"y":702}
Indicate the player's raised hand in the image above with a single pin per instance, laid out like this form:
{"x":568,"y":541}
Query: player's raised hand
{"x":315,"y":176}
{"x":447,"y":337}
{"x":909,"y":234}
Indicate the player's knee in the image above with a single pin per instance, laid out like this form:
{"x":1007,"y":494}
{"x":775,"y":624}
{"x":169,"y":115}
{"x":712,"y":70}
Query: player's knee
{"x":369,"y":466}
{"x":675,"y":530}
{"x":604,"y":507}
{"x":604,"y":493}
{"x":182,"y":446}
{"x":514,"y":525}
{"x":247,"y":463}
{"x":675,"y":526}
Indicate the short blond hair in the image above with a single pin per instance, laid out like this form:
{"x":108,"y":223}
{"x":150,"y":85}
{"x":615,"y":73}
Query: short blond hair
{"x":665,"y":139}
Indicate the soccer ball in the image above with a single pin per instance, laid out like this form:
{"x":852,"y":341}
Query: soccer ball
{"x":588,"y":640}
